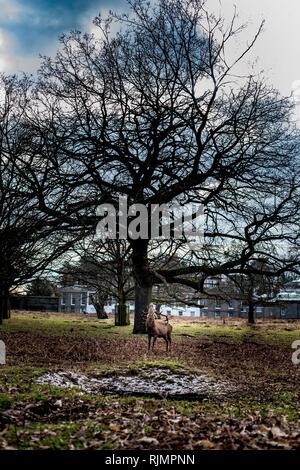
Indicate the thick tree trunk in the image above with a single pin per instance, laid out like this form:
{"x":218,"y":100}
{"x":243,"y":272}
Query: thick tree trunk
{"x":99,"y":304}
{"x":158,"y":307}
{"x":99,"y":307}
{"x":4,"y":304}
{"x":251,"y":315}
{"x":143,"y":284}
{"x":101,"y":314}
{"x":122,"y":317}
{"x":143,"y":294}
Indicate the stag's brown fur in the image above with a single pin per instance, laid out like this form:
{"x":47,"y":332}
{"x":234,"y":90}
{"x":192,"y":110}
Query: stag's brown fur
{"x":158,"y":329}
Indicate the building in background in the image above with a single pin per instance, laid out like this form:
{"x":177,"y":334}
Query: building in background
{"x":287,"y":302}
{"x":80,"y":299}
{"x":220,"y":299}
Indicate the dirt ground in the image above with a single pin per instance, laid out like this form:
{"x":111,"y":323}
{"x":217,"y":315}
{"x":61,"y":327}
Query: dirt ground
{"x":261,"y":411}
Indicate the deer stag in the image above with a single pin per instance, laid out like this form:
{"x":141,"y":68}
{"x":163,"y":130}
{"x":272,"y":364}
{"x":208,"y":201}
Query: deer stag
{"x":158,"y":328}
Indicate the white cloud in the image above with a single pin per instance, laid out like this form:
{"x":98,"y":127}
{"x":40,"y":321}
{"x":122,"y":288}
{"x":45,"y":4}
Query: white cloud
{"x":5,"y":50}
{"x":10,"y":62}
{"x":296,"y":97}
{"x":10,"y":10}
{"x":296,"y":91}
{"x":87,"y":24}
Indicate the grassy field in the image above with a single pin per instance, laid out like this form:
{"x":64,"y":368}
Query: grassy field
{"x":264,"y":412}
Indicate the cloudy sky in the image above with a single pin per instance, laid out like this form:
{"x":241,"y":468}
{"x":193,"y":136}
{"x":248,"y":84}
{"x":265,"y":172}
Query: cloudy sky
{"x":31,"y":27}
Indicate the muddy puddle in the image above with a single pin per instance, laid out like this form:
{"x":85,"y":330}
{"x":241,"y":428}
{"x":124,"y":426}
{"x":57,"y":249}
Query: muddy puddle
{"x":150,"y":382}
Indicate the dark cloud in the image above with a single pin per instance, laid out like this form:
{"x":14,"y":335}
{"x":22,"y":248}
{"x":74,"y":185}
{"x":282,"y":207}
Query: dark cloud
{"x":37,"y":23}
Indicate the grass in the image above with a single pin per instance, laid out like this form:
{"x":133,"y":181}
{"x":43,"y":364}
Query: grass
{"x":281,"y":404}
{"x":57,"y":325}
{"x":44,"y":436}
{"x":98,"y":424}
{"x":72,"y":325}
{"x":239,"y":334}
{"x":171,"y":364}
{"x":22,"y":388}
{"x":92,"y":421}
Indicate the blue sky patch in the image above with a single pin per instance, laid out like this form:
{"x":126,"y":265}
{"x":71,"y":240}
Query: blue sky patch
{"x":31,"y":27}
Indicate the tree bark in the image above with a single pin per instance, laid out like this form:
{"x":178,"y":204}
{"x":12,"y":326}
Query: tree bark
{"x":158,"y":307}
{"x":99,"y":304}
{"x":122,"y":317}
{"x":142,"y":284}
{"x":4,"y":304}
{"x":251,"y":315}
{"x":101,"y":314}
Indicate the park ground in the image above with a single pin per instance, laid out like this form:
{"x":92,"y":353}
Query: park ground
{"x":261,"y":412}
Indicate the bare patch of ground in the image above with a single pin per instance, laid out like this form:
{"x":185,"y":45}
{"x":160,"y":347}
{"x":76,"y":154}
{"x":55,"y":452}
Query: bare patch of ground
{"x":154,"y":382}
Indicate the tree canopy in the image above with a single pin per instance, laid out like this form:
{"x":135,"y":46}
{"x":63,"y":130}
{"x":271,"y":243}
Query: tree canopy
{"x":152,"y":108}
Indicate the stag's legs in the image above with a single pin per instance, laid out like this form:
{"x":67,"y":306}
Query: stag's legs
{"x":149,"y":342}
{"x":169,"y":340}
{"x":154,"y":341}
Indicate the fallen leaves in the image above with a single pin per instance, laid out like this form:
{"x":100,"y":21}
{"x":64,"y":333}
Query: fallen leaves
{"x":205,"y":444}
{"x":148,"y":441}
{"x":114,"y":427}
{"x":133,"y":426}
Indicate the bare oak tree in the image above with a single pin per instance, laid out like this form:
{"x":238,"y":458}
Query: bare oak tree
{"x":157,"y":112}
{"x":28,"y":241}
{"x":104,"y":266}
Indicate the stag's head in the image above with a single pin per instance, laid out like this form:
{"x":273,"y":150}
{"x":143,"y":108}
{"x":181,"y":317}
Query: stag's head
{"x":151,"y":311}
